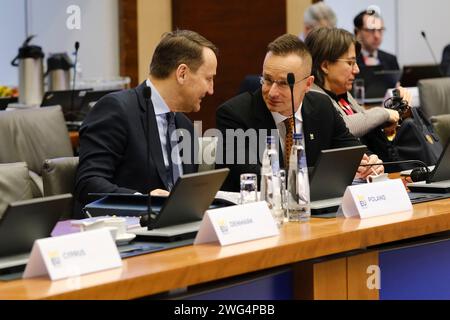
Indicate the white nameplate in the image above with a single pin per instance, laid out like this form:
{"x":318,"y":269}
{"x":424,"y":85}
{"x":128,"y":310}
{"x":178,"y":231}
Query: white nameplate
{"x":237,"y":224}
{"x":375,"y":199}
{"x":73,"y":255}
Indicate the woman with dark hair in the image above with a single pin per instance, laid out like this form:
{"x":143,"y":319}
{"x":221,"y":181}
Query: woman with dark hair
{"x":334,"y":53}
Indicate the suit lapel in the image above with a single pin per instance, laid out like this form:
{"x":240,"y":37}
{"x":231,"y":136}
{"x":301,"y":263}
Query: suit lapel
{"x":151,"y":129}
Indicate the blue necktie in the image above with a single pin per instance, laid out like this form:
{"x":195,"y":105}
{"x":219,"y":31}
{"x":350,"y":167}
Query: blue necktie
{"x":174,"y":172}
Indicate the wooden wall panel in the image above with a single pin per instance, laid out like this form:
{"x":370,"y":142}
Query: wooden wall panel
{"x":241,"y":29}
{"x":128,"y":44}
{"x":357,"y":276}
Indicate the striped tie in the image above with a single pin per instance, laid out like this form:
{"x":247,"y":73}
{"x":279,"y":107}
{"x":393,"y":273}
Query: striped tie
{"x":288,"y":141}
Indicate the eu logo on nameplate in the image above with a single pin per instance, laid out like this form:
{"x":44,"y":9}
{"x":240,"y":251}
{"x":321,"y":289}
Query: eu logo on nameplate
{"x":237,"y":224}
{"x":375,"y":199}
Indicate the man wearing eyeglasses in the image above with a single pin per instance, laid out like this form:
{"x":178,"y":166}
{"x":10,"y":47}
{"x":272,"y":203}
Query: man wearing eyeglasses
{"x":369,"y":30}
{"x":268,"y":111}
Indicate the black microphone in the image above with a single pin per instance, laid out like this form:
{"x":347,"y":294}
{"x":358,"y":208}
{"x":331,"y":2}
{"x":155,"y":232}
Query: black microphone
{"x":291,"y":82}
{"x":417,"y":174}
{"x":429,"y":47}
{"x":77,"y":47}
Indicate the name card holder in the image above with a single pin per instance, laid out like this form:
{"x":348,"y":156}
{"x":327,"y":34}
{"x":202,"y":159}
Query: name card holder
{"x":73,"y":255}
{"x":237,"y":224}
{"x":375,"y":199}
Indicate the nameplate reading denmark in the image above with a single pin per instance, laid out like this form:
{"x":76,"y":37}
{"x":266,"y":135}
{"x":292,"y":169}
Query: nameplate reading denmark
{"x":237,"y":224}
{"x":73,"y":255}
{"x":375,"y":199}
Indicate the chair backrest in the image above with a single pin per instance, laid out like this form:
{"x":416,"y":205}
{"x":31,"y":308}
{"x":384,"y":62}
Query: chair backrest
{"x":207,"y":153}
{"x":441,"y":125}
{"x":15,"y":184}
{"x":58,"y":175}
{"x":435,"y":96}
{"x":33,"y":135}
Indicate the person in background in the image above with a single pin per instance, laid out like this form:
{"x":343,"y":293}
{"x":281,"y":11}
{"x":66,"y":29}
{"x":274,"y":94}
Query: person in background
{"x":125,"y":140}
{"x":369,"y":31}
{"x":335,"y":67}
{"x":445,"y":62}
{"x":270,"y":108}
{"x":318,"y":15}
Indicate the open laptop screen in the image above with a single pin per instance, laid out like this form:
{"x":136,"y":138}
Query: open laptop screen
{"x":26,"y":221}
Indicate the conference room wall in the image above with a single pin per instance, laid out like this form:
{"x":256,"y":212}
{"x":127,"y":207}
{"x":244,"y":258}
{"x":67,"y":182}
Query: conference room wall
{"x":12,"y":17}
{"x":98,"y":35}
{"x":404,"y":20}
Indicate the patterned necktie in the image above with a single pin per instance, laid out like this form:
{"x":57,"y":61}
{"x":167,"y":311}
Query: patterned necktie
{"x":170,"y":145}
{"x":288,"y":141}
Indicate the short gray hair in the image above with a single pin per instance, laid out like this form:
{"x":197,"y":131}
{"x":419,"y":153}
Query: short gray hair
{"x":319,"y":14}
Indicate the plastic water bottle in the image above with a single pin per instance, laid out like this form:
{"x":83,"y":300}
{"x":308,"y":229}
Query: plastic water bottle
{"x":270,"y":180}
{"x":299,"y":204}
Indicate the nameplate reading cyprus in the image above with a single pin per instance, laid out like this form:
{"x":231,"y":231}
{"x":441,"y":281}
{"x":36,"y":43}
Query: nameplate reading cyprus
{"x":237,"y":224}
{"x":73,"y":255}
{"x":375,"y":199}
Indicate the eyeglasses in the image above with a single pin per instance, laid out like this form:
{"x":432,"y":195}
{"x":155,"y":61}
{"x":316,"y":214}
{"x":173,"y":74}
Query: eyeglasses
{"x":282,"y":84}
{"x":351,"y":62}
{"x":380,"y":30}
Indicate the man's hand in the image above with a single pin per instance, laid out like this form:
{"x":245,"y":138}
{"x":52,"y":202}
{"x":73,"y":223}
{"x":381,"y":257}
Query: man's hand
{"x":405,"y":94}
{"x":159,"y":192}
{"x":365,"y":171}
{"x":393,"y":115}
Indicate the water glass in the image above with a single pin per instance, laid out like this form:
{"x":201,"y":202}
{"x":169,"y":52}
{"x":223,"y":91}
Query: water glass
{"x":249,"y":188}
{"x":359,"y":91}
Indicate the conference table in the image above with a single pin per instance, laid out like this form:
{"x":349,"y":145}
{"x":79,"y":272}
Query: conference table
{"x":334,"y":258}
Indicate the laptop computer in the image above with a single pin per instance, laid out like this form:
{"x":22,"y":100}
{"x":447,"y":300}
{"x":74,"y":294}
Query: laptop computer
{"x":439,"y":180}
{"x":89,"y":100}
{"x":377,"y":82}
{"x":175,"y":217}
{"x":334,"y":171}
{"x":63,"y":98}
{"x":26,"y":221}
{"x":413,"y":73}
{"x":5,"y":101}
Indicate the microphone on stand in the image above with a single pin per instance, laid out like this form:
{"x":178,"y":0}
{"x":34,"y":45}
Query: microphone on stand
{"x":77,"y":47}
{"x":417,"y":174}
{"x":424,"y":36}
{"x":291,"y":82}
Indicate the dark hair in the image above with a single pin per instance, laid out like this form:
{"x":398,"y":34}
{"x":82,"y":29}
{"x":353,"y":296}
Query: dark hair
{"x":288,"y":44}
{"x":177,"y":47}
{"x":328,"y":44}
{"x":358,"y":21}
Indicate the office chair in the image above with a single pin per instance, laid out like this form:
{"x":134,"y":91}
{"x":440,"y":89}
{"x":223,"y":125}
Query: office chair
{"x":33,"y":135}
{"x":435,"y":96}
{"x":441,"y":125}
{"x":58,"y":177}
{"x":15,"y":184}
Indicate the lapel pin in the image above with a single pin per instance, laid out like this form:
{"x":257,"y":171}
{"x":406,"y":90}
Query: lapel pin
{"x":311,"y":136}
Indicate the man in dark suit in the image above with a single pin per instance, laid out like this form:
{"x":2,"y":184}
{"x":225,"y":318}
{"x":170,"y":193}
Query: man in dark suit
{"x":445,"y":62}
{"x":269,"y":109}
{"x":128,"y":142}
{"x":369,"y":31}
